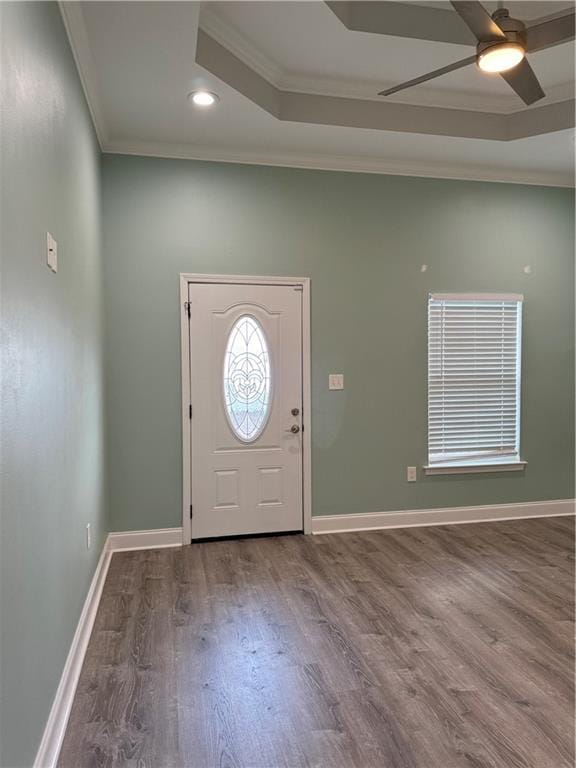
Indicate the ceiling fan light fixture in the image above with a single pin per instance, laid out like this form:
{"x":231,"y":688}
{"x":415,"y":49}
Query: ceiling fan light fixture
{"x":501,"y":57}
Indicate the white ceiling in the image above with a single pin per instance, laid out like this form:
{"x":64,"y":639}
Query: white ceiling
{"x":305,"y":40}
{"x":137,"y":62}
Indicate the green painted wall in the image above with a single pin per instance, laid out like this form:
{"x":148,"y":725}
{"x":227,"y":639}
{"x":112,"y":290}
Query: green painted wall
{"x":52,"y":390}
{"x":362,"y":240}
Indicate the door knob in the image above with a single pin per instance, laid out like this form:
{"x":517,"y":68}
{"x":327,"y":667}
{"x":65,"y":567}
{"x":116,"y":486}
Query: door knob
{"x":294,"y":429}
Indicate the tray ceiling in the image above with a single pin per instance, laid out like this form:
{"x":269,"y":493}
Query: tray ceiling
{"x":297,"y":86}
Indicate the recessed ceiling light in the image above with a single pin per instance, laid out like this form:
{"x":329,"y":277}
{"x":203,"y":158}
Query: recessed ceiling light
{"x":500,"y":57}
{"x":203,"y":98}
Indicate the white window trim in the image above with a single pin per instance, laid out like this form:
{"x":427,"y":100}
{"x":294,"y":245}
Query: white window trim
{"x":477,"y":296}
{"x":468,"y":469}
{"x":505,"y":464}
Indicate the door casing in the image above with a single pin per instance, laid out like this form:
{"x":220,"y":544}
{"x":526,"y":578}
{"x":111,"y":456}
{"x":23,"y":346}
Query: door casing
{"x":187,"y":423}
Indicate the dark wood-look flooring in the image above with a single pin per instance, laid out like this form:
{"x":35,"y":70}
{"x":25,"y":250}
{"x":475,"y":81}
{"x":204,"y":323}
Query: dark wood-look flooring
{"x":418,"y":648}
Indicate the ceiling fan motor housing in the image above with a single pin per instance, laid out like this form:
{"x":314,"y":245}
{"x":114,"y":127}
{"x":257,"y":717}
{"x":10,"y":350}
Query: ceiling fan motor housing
{"x":514,"y":29}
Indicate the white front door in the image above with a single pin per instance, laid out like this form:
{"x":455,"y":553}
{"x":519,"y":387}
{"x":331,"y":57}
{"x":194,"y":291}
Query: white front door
{"x":246,"y":394}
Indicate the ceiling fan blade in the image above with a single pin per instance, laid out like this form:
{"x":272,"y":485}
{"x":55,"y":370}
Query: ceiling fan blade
{"x":429,"y":76}
{"x":479,"y":20}
{"x":523,"y":80}
{"x":549,"y":31}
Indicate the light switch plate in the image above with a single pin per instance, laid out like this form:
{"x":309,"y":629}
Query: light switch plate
{"x":411,"y":474}
{"x":336,"y":381}
{"x":51,"y":252}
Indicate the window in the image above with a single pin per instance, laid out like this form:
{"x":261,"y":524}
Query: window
{"x":474,"y":344}
{"x":247,"y":379}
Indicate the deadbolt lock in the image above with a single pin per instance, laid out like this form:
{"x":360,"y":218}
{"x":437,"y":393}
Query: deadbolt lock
{"x":295,"y":411}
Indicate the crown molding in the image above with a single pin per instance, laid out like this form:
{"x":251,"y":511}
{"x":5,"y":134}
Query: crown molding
{"x":427,"y":97}
{"x":262,"y":77}
{"x":460,"y":172}
{"x":234,"y":41}
{"x":73,"y":18}
{"x":381,"y":115}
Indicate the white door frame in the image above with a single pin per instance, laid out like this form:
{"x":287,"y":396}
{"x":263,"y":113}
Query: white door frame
{"x":304,"y":282}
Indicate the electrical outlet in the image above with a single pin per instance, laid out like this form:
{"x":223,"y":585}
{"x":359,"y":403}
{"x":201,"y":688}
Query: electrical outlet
{"x":411,"y":474}
{"x":88,"y":536}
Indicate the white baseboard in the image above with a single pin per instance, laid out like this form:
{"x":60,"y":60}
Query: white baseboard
{"x":49,"y":749}
{"x":450,"y":516}
{"x":55,"y":729}
{"x":154,"y":539}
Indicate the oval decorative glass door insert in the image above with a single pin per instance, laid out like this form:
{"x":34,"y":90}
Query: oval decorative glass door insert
{"x":247,"y":381}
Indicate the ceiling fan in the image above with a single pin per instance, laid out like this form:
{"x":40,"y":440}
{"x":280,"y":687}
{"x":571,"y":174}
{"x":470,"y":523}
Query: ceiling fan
{"x":503,"y":43}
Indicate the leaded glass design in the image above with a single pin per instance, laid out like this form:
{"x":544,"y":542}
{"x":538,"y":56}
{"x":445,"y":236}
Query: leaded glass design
{"x":247,"y":383}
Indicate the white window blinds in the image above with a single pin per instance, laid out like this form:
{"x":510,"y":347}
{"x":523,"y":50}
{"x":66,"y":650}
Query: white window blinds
{"x":474,"y":344}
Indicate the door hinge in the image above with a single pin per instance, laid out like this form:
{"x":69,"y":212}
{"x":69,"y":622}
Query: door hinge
{"x":190,"y":511}
{"x":190,"y":411}
{"x":187,"y":307}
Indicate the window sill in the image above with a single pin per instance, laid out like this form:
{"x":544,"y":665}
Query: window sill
{"x":460,"y":469}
